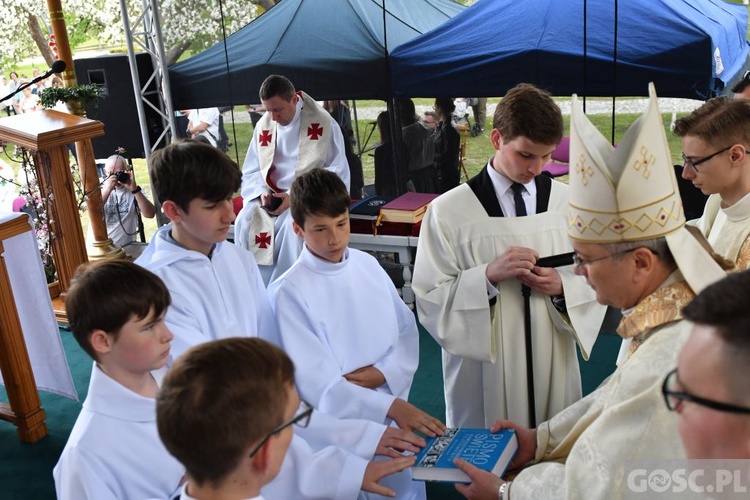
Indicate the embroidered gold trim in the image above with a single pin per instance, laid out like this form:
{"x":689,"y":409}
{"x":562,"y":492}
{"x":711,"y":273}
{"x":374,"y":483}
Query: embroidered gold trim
{"x":743,"y":256}
{"x":661,"y":307}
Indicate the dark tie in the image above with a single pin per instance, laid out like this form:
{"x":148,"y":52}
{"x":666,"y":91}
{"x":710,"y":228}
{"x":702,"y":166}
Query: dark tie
{"x":518,"y":199}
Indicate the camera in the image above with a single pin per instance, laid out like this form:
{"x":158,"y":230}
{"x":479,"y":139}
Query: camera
{"x":122,"y":176}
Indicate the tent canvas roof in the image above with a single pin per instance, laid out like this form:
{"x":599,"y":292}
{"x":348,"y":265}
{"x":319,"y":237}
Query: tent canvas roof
{"x":331,"y":49}
{"x":688,"y":48}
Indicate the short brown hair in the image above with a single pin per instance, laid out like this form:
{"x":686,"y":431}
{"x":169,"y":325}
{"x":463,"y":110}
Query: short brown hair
{"x":105,"y":295}
{"x":276,"y":86}
{"x":219,"y":399}
{"x":723,"y":305}
{"x":318,"y":192}
{"x":190,"y":169}
{"x":718,"y":120}
{"x":527,"y":111}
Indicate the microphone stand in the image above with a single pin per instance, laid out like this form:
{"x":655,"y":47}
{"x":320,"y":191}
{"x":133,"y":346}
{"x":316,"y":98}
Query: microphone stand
{"x":559,"y":260}
{"x":28,"y":84}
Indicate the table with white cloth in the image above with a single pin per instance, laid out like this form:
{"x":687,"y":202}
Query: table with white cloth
{"x":31,"y":351}
{"x":404,"y":247}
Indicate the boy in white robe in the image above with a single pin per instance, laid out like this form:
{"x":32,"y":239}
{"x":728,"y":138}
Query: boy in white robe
{"x":715,"y":140}
{"x":217,"y":292}
{"x":354,"y":341}
{"x":478,"y":245}
{"x":116,"y":312}
{"x":257,"y":407}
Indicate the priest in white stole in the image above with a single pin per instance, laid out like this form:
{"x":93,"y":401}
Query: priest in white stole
{"x":477,"y":318}
{"x":715,"y":141}
{"x":295,"y":135}
{"x":626,"y":224}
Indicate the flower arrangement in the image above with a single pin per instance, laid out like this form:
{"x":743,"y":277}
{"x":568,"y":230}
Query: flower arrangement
{"x":83,"y":94}
{"x":38,"y":207}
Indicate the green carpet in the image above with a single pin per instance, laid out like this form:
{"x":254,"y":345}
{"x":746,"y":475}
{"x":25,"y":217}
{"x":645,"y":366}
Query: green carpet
{"x":26,"y":470}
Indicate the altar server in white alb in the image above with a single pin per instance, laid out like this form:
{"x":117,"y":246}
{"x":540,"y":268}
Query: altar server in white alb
{"x":353,"y":340}
{"x":116,"y":313}
{"x":626,"y":224}
{"x":479,"y":243}
{"x":294,"y":136}
{"x":217,"y":293}
{"x":716,"y":159}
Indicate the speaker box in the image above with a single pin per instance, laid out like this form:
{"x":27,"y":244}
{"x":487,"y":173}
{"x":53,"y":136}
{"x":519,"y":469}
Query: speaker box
{"x":118,"y":110}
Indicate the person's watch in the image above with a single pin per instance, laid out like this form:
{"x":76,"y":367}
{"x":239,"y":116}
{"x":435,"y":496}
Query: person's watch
{"x":136,"y":190}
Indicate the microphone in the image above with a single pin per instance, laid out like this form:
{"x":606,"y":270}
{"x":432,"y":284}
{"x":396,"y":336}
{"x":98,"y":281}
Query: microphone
{"x":57,"y":67}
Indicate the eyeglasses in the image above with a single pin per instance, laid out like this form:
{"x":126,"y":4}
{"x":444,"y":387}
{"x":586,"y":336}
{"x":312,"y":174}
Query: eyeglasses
{"x":673,"y":398}
{"x":301,"y":419}
{"x":694,"y":163}
{"x":579,"y":262}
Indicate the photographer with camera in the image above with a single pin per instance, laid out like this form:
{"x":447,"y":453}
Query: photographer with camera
{"x":122,"y":198}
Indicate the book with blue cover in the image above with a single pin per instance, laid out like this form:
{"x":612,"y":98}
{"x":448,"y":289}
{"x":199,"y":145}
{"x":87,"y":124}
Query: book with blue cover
{"x":368,"y":208}
{"x":490,"y":452}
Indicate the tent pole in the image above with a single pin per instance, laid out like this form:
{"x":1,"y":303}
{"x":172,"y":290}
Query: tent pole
{"x":356,"y":129}
{"x":614,"y":74}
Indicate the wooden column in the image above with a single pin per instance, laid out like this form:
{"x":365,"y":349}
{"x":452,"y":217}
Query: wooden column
{"x":48,"y":133}
{"x":25,"y":408}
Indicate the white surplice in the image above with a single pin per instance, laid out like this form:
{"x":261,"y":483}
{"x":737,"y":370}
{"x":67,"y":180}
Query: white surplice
{"x":727,"y":229}
{"x":335,"y":318}
{"x":224,"y":296}
{"x":484,"y":363}
{"x":114,"y":450}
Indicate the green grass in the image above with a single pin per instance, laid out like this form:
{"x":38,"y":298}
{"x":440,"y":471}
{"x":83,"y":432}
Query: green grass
{"x":478,"y":150}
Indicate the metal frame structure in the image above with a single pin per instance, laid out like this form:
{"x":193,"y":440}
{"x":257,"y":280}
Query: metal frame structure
{"x":146,"y":33}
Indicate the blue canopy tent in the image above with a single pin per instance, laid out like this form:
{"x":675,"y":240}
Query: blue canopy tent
{"x":688,"y":48}
{"x":332,"y":49}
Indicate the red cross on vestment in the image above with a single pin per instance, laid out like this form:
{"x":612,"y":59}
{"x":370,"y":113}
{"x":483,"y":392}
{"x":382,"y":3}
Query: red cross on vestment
{"x":265,"y":138}
{"x":263,"y":240}
{"x":314,"y":130}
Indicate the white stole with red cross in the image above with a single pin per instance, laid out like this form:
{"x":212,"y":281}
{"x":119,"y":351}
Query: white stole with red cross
{"x":314,"y":142}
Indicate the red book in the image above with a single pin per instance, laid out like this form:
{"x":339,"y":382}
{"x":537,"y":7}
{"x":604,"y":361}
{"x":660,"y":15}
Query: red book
{"x":409,"y":208}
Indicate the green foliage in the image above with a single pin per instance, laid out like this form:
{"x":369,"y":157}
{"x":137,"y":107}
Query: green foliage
{"x":88,"y":93}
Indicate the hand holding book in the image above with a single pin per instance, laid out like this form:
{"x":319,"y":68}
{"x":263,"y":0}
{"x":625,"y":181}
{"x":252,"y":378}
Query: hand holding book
{"x":526,"y":442}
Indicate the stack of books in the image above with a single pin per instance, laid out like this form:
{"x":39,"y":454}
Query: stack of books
{"x":363,"y":214}
{"x":401,"y":216}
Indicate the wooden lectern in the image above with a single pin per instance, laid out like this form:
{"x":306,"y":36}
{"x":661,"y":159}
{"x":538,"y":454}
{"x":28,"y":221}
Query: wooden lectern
{"x":47,"y":134}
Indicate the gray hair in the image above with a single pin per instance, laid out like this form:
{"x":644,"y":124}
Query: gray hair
{"x":658,"y":246}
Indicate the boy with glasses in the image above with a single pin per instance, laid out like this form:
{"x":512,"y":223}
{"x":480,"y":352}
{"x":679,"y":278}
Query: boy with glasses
{"x":710,"y":389}
{"x":231,"y":441}
{"x":715,"y":140}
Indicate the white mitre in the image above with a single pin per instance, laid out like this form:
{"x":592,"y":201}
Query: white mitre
{"x":629,"y":193}
{"x":626,"y":193}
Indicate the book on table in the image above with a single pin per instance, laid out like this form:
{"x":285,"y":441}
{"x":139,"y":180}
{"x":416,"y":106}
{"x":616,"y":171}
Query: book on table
{"x":408,"y":208}
{"x":368,"y":208}
{"x":479,"y":447}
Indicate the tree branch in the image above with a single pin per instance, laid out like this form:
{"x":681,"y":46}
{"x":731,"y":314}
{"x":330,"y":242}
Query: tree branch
{"x":39,"y":39}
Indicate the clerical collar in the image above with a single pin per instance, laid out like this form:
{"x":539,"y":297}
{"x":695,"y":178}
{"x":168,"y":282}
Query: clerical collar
{"x":297,"y":114}
{"x":502,"y":184}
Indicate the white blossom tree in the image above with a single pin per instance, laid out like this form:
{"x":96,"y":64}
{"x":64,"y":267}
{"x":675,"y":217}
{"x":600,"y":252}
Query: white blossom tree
{"x":186,"y":24}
